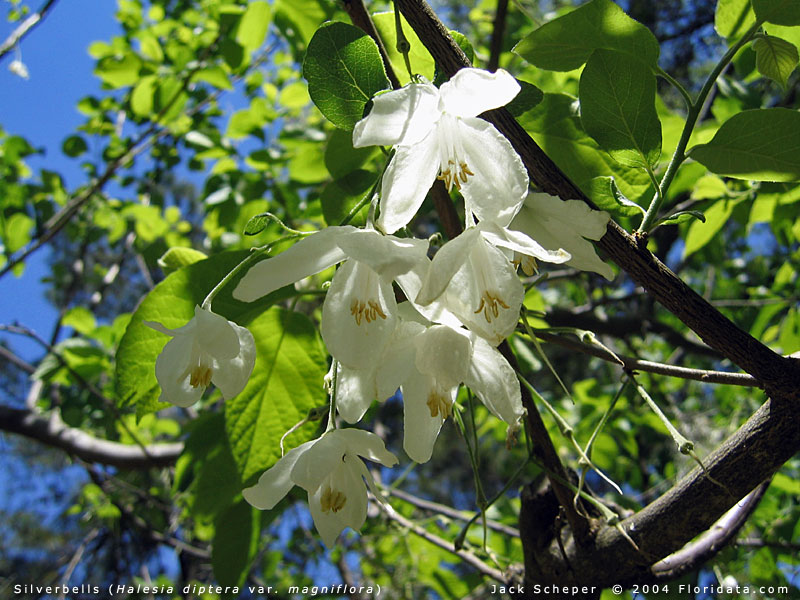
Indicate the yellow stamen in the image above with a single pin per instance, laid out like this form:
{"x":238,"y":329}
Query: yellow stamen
{"x":332,"y":500}
{"x":439,"y":405}
{"x":367,"y":311}
{"x":490,"y":305}
{"x":200,"y":376}
{"x":455,"y":177}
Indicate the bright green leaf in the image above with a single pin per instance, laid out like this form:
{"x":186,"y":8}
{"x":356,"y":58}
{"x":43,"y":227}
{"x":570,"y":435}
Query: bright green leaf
{"x":119,"y":72}
{"x":618,"y":109}
{"x":80,"y":319}
{"x":177,"y":258}
{"x":567,"y":42}
{"x":775,"y":58}
{"x":142,"y":96}
{"x":762,"y":144}
{"x":422,"y":62}
{"x":555,"y":125}
{"x":780,"y":12}
{"x":341,"y":196}
{"x":17,"y":231}
{"x":709,"y":187}
{"x":733,"y":18}
{"x":252,"y":29}
{"x":604,"y":192}
{"x":700,"y":233}
{"x":216,"y":76}
{"x":286,"y":383}
{"x":344,"y":70}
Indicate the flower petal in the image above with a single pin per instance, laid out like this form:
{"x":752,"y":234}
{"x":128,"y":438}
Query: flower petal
{"x":231,"y":376}
{"x":403,"y":116}
{"x":397,"y":362}
{"x":275,"y":482}
{"x":500,"y":182}
{"x":519,"y":242}
{"x":420,"y":429}
{"x":172,"y":372}
{"x":473,"y":91}
{"x":318,"y":462}
{"x":366,"y":444}
{"x":358,"y":315}
{"x":406,"y":182}
{"x":307,"y":257}
{"x":448,"y":260}
{"x":387,"y":255}
{"x":216,"y":335}
{"x":493,"y":379}
{"x":411,"y":284}
{"x":443,"y":353}
{"x":555,"y":223}
{"x":355,"y":391}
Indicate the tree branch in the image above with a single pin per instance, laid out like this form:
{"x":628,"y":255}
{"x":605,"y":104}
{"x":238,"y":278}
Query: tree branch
{"x":24,"y":28}
{"x":695,"y":554}
{"x":54,"y":432}
{"x":498,"y":31}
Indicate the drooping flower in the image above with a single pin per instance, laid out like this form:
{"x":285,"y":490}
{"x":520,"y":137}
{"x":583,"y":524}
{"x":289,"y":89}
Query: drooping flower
{"x":208,"y":349}
{"x":477,"y":282}
{"x":429,"y":362}
{"x":330,"y":469}
{"x":556,"y":223}
{"x":358,"y":314}
{"x":437,"y":133}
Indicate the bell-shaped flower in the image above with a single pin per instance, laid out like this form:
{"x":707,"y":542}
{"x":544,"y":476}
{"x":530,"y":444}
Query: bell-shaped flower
{"x":208,"y":349}
{"x":556,"y":223}
{"x":358,"y":315}
{"x":437,"y":133}
{"x":331,"y":471}
{"x":478,"y":283}
{"x":429,"y":362}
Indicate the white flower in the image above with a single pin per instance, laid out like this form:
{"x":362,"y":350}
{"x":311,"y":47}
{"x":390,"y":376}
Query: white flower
{"x":330,"y":470}
{"x":477,"y":282}
{"x":18,"y":68}
{"x":208,"y":349}
{"x":429,"y":362}
{"x":358,"y":315}
{"x":437,"y":132}
{"x":555,"y":223}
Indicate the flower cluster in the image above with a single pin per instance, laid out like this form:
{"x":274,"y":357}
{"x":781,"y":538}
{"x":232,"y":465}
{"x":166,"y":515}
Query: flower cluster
{"x":438,"y":328}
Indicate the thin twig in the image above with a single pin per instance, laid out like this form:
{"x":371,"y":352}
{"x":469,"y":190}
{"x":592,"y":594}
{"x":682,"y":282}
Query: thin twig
{"x":465,"y":555}
{"x":25,"y":28}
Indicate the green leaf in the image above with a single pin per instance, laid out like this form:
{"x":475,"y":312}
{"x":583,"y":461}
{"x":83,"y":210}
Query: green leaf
{"x":422,"y":62}
{"x":142,"y":96}
{"x":252,"y":29}
{"x":733,"y":18}
{"x":258,"y":223}
{"x":74,"y":146}
{"x":237,"y":532}
{"x":119,"y":72}
{"x":700,"y":233}
{"x":709,"y":187}
{"x":340,"y":156}
{"x":216,"y":76}
{"x":80,"y":319}
{"x":178,"y":257}
{"x":780,"y":12}
{"x":567,"y":42}
{"x":775,"y":58}
{"x":439,"y":76}
{"x":528,"y":97}
{"x":604,"y":192}
{"x":341,"y":196}
{"x":762,"y":144}
{"x":681,"y":217}
{"x":618,"y":110}
{"x":17,"y":231}
{"x":286,"y":383}
{"x":344,"y":70}
{"x":555,"y":125}
{"x":172,"y":303}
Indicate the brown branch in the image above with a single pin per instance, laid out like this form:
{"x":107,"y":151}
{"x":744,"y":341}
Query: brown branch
{"x":498,"y":31}
{"x":699,"y":551}
{"x":51,"y":430}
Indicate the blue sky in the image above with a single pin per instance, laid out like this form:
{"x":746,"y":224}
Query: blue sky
{"x":42,"y":110}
